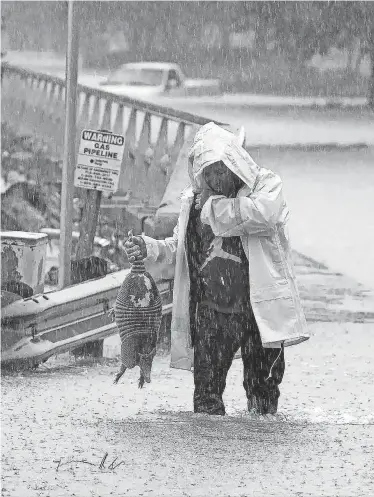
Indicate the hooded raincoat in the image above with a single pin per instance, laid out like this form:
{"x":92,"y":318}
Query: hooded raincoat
{"x":258,"y":215}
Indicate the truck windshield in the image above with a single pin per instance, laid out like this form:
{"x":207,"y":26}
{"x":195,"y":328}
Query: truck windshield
{"x":136,"y":77}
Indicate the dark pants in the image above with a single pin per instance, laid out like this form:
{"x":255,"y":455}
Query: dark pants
{"x":218,"y":337}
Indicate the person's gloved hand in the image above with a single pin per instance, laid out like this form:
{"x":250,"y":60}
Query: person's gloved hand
{"x":135,"y":248}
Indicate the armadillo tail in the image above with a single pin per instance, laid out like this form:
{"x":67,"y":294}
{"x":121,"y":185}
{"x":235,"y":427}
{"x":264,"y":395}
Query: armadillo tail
{"x":119,"y":375}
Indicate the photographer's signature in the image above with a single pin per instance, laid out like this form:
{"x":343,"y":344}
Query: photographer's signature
{"x":112,"y":466}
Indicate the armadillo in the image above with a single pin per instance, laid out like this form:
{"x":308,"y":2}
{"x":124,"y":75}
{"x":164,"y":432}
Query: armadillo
{"x":138,"y":314}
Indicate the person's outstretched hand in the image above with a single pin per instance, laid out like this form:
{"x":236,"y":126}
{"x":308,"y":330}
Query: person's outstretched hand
{"x":135,"y":248}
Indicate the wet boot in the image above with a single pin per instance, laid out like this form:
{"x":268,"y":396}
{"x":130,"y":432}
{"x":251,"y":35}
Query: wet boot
{"x":262,"y":406}
{"x":263,"y":373}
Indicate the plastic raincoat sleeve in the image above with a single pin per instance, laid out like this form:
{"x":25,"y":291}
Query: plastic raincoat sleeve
{"x":257,"y":214}
{"x":162,"y":251}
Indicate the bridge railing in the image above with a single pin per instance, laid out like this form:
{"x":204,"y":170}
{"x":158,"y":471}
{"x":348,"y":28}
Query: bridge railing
{"x":154,"y":134}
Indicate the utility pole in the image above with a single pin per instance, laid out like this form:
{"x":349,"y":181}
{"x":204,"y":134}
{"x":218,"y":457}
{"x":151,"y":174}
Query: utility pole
{"x":67,"y":192}
{"x":371,"y":80}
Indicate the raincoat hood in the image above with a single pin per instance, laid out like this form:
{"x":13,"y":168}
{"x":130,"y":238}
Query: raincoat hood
{"x":213,"y":144}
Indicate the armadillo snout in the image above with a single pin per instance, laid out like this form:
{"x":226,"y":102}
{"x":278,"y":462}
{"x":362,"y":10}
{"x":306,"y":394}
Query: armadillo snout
{"x":147,"y":378}
{"x":145,"y":364}
{"x":146,"y":375}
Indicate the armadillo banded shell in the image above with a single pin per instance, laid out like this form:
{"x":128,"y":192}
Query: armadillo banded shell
{"x":138,"y":313}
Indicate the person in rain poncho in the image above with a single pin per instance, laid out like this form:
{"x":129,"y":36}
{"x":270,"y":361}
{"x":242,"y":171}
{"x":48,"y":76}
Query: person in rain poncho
{"x":234,"y":284}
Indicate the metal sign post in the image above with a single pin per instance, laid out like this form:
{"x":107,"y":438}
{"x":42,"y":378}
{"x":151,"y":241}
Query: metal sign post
{"x":67,"y":191}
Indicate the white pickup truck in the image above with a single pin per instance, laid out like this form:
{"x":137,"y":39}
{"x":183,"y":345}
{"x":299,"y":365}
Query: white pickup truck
{"x":146,"y":79}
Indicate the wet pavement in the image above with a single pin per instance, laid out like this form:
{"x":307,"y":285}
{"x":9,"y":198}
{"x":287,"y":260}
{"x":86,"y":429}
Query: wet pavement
{"x":68,"y":415}
{"x":72,"y":414}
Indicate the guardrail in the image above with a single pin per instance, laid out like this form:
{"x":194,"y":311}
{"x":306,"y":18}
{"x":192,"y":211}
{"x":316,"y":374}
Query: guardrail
{"x":54,"y":234}
{"x":39,"y":327}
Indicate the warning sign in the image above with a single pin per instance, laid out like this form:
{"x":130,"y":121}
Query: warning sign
{"x":99,"y":160}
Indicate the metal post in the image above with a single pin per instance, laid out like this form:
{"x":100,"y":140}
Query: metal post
{"x":67,"y":192}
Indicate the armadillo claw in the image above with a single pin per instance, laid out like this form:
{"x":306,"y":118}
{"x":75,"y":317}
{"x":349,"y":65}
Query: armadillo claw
{"x":111,"y":314}
{"x":118,"y":376}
